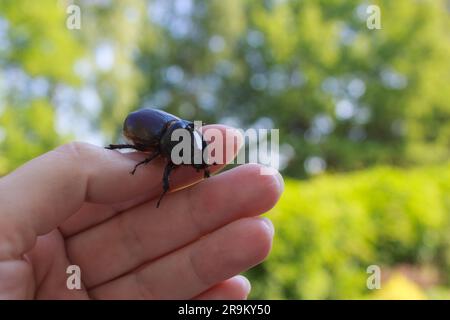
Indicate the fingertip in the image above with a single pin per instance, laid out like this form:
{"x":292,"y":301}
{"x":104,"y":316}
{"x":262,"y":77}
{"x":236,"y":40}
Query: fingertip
{"x":262,"y":191}
{"x":224,"y":139}
{"x":254,"y":238}
{"x":269,"y":225}
{"x":235,"y":288}
{"x":244,"y":286}
{"x":263,"y":236}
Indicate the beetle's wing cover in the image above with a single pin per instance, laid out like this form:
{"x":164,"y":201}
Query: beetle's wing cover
{"x":158,"y":120}
{"x":146,"y":126}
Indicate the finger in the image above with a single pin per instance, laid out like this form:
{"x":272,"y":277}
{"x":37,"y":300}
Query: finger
{"x":92,"y":214}
{"x":236,"y":288}
{"x":50,"y":264}
{"x":13,"y":274}
{"x":44,"y":192}
{"x":145,"y":233}
{"x":197,"y":267}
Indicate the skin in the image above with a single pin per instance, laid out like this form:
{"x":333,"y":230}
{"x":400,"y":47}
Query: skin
{"x":79,"y":205}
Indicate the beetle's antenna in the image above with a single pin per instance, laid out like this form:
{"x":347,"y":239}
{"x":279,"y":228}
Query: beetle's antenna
{"x":121,"y":146}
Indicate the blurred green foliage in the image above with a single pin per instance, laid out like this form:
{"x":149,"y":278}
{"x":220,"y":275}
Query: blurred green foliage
{"x":36,"y":53}
{"x":331,"y":228}
{"x":344,"y":97}
{"x":28,"y":134}
{"x":350,"y":96}
{"x":336,"y":89}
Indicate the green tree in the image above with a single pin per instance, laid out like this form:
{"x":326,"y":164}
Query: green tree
{"x":37,"y":53}
{"x":337,"y":90}
{"x":331,"y":228}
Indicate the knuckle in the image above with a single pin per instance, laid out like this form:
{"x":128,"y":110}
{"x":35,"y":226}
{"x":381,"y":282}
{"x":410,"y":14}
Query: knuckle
{"x":132,"y":238}
{"x":196,"y":270}
{"x":74,"y":149}
{"x":75,"y":155}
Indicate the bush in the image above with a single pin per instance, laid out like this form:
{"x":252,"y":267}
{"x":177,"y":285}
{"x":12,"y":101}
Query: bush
{"x":331,"y":228}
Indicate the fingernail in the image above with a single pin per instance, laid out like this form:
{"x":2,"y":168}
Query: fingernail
{"x":269,"y":225}
{"x":280,"y":182}
{"x":246,"y":283}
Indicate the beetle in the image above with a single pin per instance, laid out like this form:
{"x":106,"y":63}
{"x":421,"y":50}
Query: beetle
{"x":150,"y":130}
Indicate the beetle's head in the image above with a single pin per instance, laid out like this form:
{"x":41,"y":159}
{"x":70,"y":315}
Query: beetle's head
{"x":135,"y":129}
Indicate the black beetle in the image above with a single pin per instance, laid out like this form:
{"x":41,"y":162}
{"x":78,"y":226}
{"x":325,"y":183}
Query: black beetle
{"x":150,"y":130}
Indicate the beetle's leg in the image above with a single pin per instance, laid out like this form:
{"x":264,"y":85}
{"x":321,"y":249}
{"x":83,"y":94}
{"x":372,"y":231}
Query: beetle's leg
{"x":145,"y":161}
{"x":122,"y":146}
{"x":166,"y":185}
{"x":206,"y":172}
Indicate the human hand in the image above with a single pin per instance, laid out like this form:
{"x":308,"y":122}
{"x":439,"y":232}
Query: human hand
{"x":78,"y":205}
